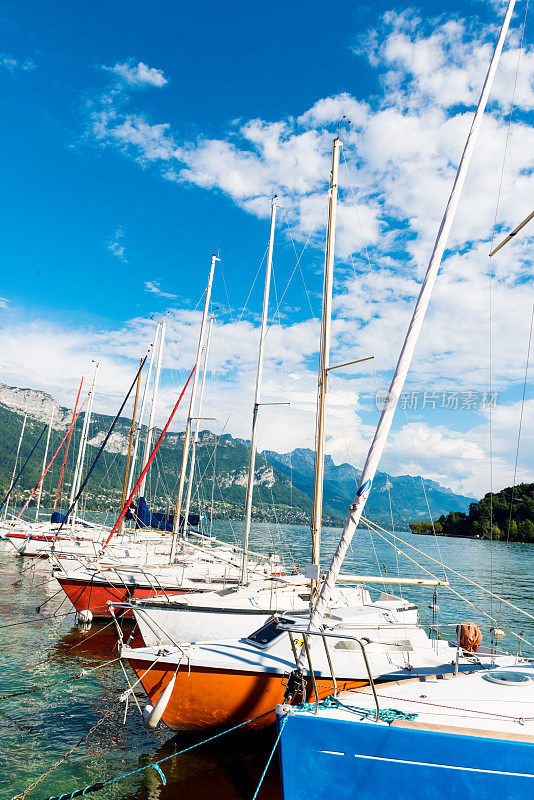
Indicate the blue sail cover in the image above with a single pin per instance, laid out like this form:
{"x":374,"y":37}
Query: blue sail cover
{"x":145,"y":518}
{"x":58,"y":517}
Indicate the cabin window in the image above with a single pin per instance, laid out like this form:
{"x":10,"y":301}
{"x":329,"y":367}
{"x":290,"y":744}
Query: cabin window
{"x":268,"y":632}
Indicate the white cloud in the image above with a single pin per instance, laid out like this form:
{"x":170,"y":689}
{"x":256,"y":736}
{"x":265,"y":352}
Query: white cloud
{"x":14,"y":64}
{"x":117,"y":247}
{"x":400,"y":157}
{"x":138,"y":75}
{"x":154,"y":288}
{"x":4,"y":304}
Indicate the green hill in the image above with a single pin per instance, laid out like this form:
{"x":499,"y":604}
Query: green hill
{"x":508,"y":514}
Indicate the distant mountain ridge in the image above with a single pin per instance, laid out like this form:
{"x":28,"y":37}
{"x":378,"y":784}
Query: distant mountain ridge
{"x":340,"y":483}
{"x":283,"y":481}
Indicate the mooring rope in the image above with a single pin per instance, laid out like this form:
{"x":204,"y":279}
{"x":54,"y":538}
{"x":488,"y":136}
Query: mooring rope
{"x":155,"y":765}
{"x":264,"y":773}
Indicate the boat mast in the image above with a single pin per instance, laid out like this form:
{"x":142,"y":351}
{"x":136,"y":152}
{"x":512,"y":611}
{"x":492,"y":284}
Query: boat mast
{"x":405,"y":358}
{"x":130,"y":443}
{"x":322,"y":387}
{"x":187,"y":436}
{"x":153,"y":404}
{"x":71,"y":428}
{"x":15,"y":464}
{"x":197,"y":426}
{"x":38,"y":506}
{"x":142,"y":412}
{"x":77,"y":478}
{"x":259,"y":375}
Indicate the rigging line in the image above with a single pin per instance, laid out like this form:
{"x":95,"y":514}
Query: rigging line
{"x":276,"y":311}
{"x":382,"y":319}
{"x":450,"y":588}
{"x":516,"y":458}
{"x":389,"y":488}
{"x":251,"y":287}
{"x":102,"y":446}
{"x":21,"y":470}
{"x":490,"y":281}
{"x":396,"y":547}
{"x":149,"y":462}
{"x":298,"y":261}
{"x":350,"y":459}
{"x":319,"y":213}
{"x":454,"y":572}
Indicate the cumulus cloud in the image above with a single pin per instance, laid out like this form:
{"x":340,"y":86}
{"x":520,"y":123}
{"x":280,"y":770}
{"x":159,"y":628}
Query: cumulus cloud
{"x":154,"y":288}
{"x":138,"y":76}
{"x":400,"y":156}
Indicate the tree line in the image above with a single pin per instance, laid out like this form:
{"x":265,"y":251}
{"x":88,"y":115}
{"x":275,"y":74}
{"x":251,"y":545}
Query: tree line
{"x":508,"y":514}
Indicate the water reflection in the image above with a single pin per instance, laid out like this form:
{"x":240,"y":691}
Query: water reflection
{"x":227,"y":768}
{"x":38,"y":728}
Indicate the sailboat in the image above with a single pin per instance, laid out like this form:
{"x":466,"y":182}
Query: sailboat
{"x":169,"y":558}
{"x":229,"y":613}
{"x":196,"y":682}
{"x":221,"y":682}
{"x":470,"y":736}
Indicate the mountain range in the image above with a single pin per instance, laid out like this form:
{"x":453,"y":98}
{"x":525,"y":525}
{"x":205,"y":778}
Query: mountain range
{"x":283,"y":481}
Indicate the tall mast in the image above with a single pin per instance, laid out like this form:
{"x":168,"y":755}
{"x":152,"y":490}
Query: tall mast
{"x":141,"y":413}
{"x":16,"y":462}
{"x":257,"y":395}
{"x":77,"y":477}
{"x":71,"y":428}
{"x":322,"y":386}
{"x":185,"y":455}
{"x":153,"y":405}
{"x":197,"y":426}
{"x":130,"y":442}
{"x":405,"y":358}
{"x":38,"y":506}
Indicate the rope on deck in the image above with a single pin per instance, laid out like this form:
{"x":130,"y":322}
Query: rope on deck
{"x":384,"y":715}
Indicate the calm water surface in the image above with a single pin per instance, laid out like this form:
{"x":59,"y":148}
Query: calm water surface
{"x":44,"y":652}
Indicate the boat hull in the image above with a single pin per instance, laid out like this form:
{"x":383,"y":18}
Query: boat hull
{"x":205,"y":698}
{"x":96,"y":597}
{"x":346,"y":758}
{"x":185,"y":623}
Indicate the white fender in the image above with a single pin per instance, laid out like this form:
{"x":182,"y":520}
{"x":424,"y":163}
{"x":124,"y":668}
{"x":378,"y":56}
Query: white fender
{"x":85,"y":617}
{"x":153,"y":714}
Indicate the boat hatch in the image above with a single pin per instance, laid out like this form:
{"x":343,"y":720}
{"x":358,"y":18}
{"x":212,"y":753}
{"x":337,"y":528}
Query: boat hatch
{"x":507,"y":677}
{"x":268,"y":632}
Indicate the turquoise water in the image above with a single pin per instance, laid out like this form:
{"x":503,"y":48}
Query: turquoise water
{"x":46,"y":652}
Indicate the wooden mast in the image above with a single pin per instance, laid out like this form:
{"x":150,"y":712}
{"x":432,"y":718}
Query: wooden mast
{"x":322,"y":387}
{"x":379,"y":441}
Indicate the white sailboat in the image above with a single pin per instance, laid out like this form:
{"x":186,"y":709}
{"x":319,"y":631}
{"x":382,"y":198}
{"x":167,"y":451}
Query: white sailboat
{"x":223,"y":682}
{"x":470,"y":736}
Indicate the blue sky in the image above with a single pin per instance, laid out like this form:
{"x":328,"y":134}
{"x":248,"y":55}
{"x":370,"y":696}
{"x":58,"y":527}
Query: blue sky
{"x":137,"y":140}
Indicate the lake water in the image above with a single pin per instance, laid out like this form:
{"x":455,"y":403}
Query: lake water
{"x":42,"y":652}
